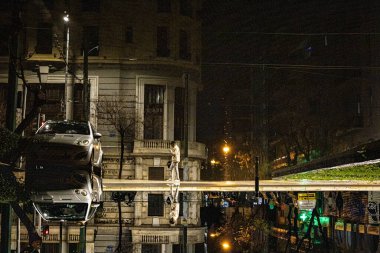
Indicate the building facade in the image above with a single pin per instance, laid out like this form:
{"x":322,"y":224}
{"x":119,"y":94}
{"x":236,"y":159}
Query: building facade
{"x":143,"y":53}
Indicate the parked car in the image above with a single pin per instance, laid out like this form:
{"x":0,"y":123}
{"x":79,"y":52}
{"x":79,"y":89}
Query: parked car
{"x":65,"y":144}
{"x":66,"y":195}
{"x":63,"y":171}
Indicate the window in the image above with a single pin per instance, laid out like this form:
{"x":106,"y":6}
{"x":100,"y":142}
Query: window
{"x":4,"y":37}
{"x":91,"y":36}
{"x":44,"y":39}
{"x":185,"y":8}
{"x":184,"y":45}
{"x":163,"y":41}
{"x":129,"y":34}
{"x":51,"y":248}
{"x":163,"y":6}
{"x":56,"y":93}
{"x":179,"y":117}
{"x":199,"y":247}
{"x":155,"y":205}
{"x":156,"y":173}
{"x":91,"y":5}
{"x":181,"y":173}
{"x":180,"y":199}
{"x":154,"y":111}
{"x":73,"y":247}
{"x":176,"y":248}
{"x":55,"y":110}
{"x":151,"y":248}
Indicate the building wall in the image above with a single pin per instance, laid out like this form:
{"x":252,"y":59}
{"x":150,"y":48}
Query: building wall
{"x":122,"y":69}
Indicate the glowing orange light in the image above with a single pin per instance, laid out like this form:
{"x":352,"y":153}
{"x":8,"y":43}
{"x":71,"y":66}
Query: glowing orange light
{"x":226,"y":245}
{"x":226,"y":149}
{"x":212,"y":235}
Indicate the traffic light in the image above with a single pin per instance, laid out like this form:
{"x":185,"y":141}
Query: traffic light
{"x":45,"y":230}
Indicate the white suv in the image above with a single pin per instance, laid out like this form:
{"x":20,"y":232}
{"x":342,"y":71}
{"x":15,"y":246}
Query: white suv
{"x":68,"y":196}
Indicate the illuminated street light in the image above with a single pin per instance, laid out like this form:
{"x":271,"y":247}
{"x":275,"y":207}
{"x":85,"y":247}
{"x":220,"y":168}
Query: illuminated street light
{"x":226,"y":245}
{"x":213,"y":162}
{"x":226,"y":149}
{"x":66,"y":18}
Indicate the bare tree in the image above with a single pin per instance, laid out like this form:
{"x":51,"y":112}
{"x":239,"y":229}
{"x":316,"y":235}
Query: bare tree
{"x":118,"y":113}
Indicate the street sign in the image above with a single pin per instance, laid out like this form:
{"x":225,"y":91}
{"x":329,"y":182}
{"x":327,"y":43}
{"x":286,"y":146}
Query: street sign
{"x":306,"y":201}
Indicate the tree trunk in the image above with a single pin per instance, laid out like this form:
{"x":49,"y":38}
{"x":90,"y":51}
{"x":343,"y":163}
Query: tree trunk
{"x":121,"y":154}
{"x":119,"y":247}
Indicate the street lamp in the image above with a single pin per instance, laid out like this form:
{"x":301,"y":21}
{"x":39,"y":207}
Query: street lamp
{"x":226,"y":245}
{"x":226,"y":149}
{"x":68,"y":86}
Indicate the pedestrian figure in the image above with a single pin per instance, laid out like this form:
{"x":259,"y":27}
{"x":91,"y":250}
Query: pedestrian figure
{"x":176,"y":156}
{"x":174,"y":204}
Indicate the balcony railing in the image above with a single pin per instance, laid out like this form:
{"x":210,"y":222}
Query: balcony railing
{"x":159,"y":239}
{"x":156,"y":147}
{"x":196,"y":149}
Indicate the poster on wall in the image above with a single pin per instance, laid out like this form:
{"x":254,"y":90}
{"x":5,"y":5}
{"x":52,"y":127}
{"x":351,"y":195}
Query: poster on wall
{"x":373,"y":208}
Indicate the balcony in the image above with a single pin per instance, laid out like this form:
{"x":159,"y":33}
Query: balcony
{"x":154,"y":147}
{"x":161,"y":147}
{"x":166,"y":235}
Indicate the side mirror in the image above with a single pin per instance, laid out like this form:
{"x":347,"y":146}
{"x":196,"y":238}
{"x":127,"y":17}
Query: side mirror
{"x":97,"y":135}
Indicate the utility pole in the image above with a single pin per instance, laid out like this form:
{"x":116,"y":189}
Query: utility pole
{"x":85,"y":80}
{"x":185,"y":79}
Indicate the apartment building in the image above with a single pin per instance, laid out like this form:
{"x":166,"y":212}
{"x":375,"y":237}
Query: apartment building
{"x":144,"y":53}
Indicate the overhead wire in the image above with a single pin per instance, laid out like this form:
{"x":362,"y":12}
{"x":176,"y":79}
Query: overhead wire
{"x":294,"y":66}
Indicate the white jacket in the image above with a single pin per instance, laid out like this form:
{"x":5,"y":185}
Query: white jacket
{"x":176,"y":155}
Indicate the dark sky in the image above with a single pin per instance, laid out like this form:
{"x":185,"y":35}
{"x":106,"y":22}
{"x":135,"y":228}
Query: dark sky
{"x":240,"y":32}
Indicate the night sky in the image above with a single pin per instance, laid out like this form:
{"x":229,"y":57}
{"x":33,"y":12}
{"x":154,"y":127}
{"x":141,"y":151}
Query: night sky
{"x":238,"y":33}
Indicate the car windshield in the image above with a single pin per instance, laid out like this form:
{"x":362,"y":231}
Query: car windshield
{"x":63,"y":211}
{"x":65,"y":128}
{"x":55,"y":179}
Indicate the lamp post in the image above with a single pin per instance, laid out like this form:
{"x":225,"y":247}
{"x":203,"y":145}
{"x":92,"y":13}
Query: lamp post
{"x":68,"y":86}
